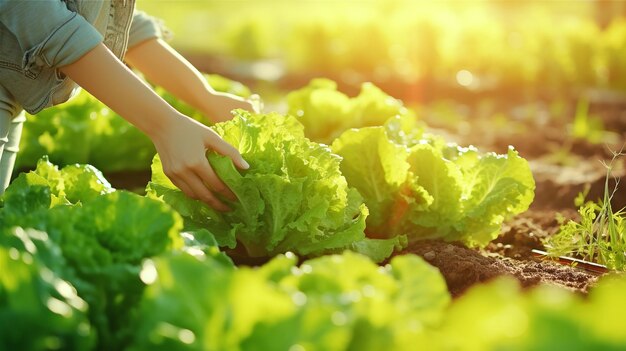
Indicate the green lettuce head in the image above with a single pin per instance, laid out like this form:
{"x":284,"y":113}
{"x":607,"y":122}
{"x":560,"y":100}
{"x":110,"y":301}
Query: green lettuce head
{"x":293,"y":197}
{"x":326,"y":112}
{"x":425,"y":188}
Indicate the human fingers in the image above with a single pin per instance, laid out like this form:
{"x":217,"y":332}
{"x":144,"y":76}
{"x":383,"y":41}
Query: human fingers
{"x":203,"y":193}
{"x":182,"y":185}
{"x":189,"y":183}
{"x":216,"y":143}
{"x":206,"y":173}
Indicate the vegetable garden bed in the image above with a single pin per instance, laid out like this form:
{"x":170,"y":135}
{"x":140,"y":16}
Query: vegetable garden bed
{"x":108,"y":269}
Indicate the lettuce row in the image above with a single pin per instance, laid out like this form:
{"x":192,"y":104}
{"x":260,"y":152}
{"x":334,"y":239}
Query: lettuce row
{"x":425,"y":188}
{"x":336,"y":302}
{"x":81,"y":285}
{"x":293,"y":197}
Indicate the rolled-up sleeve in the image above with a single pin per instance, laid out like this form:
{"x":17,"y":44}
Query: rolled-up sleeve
{"x":48,"y":32}
{"x":146,"y":27}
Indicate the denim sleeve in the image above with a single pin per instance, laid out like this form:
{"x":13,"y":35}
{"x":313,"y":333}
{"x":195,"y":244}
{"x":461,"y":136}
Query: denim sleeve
{"x":48,"y":32}
{"x":144,"y":27}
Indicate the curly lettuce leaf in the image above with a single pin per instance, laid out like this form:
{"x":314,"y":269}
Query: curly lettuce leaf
{"x":48,"y":186}
{"x":378,"y":168}
{"x":497,"y":187}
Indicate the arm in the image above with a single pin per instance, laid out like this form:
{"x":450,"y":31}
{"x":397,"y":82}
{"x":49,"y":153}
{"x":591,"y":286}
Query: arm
{"x":162,"y":65}
{"x":180,"y":141}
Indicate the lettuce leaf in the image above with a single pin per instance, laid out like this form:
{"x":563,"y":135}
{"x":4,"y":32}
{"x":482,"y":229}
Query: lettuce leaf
{"x":82,"y":131}
{"x":546,"y":317}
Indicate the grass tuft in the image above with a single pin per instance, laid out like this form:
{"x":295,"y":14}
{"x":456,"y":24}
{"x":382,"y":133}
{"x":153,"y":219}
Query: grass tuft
{"x":600,"y":236}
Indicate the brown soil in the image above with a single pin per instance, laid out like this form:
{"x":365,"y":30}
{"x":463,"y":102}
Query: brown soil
{"x":463,"y":267}
{"x":130,"y":180}
{"x":525,"y":232}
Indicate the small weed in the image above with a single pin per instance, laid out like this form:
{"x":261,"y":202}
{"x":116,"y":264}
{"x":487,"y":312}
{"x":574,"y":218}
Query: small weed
{"x":600,"y":236}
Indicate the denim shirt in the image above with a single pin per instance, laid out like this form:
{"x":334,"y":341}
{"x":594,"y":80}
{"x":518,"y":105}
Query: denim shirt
{"x":38,"y":37}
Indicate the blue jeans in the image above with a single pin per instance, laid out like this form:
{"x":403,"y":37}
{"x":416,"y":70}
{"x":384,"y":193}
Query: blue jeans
{"x":10,"y":132}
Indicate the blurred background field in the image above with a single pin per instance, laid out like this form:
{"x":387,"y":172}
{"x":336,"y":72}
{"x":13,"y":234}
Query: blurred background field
{"x":419,"y":50}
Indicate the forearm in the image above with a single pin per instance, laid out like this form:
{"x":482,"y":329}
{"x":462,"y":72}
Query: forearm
{"x":110,"y":81}
{"x":163,"y":66}
{"x":167,"y":68}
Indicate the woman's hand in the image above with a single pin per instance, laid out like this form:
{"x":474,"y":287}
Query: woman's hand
{"x":219,"y":105}
{"x":182,"y":147}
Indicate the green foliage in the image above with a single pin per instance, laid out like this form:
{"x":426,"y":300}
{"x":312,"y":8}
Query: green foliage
{"x":546,"y":318}
{"x":426,"y":189}
{"x":31,"y":194}
{"x":103,"y":236}
{"x":293,"y":197}
{"x":419,"y":45}
{"x":600,"y":236}
{"x":39,"y":310}
{"x":326,"y":112}
{"x":338,"y":302}
{"x":110,"y":270}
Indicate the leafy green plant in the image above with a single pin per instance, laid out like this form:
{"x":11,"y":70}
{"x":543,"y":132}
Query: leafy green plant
{"x":293,"y":197}
{"x":331,"y":303}
{"x":326,"y":112}
{"x":425,"y":188}
{"x":82,"y":131}
{"x":102,"y":234}
{"x":543,"y":318}
{"x":600,"y":236}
